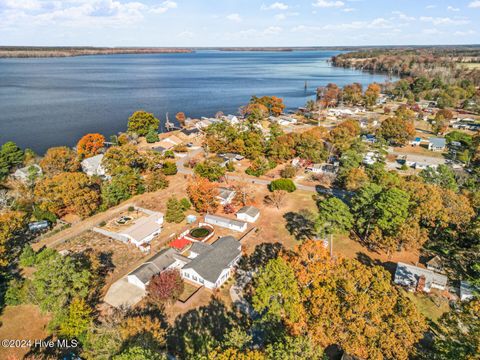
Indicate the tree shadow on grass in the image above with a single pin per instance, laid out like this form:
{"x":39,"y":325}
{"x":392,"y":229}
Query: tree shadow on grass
{"x":199,"y":331}
{"x":367,"y":260}
{"x":300,"y":225}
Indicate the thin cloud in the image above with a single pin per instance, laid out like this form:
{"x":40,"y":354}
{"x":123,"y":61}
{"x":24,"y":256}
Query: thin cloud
{"x":275,"y":6}
{"x":474,"y":4}
{"x":328,"y":4}
{"x":234,"y":17}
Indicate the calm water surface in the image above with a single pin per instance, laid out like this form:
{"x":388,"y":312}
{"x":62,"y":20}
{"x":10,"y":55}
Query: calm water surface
{"x":55,"y":101}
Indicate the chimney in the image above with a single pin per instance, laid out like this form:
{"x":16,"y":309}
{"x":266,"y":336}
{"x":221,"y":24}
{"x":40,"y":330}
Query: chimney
{"x":420,"y":283}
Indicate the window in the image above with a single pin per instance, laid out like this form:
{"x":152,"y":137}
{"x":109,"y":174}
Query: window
{"x":187,"y":275}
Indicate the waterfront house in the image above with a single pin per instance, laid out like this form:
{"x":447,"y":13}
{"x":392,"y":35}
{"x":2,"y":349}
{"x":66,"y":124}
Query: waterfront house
{"x":24,"y":174}
{"x":227,"y":223}
{"x":437,"y":144}
{"x":415,"y":278}
{"x":93,"y":166}
{"x":248,"y":213}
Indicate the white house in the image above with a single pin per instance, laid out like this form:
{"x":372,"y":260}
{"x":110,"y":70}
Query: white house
{"x":419,"y":279}
{"x":248,"y":213}
{"x":322,"y":168}
{"x":93,"y":166}
{"x":211,"y":265}
{"x":144,"y":229}
{"x":24,"y":173}
{"x":232,"y":119}
{"x":224,"y":222}
{"x":164,"y":260}
{"x":437,"y":144}
{"x":225,"y":195}
{"x":370,"y":158}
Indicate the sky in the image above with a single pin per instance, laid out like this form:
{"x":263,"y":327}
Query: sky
{"x":196,"y":23}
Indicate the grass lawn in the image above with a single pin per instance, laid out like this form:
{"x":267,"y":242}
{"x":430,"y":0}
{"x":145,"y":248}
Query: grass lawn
{"x":188,"y":291}
{"x":23,"y":322}
{"x":430,"y":306}
{"x":271,"y":225}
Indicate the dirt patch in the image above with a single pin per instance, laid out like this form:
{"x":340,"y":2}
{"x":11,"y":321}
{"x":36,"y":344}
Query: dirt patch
{"x":23,"y":322}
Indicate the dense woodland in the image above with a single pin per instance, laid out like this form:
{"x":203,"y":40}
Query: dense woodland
{"x":303,"y":304}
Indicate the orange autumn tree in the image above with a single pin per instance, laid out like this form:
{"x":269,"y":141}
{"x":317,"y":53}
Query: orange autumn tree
{"x":339,"y":302}
{"x":59,"y":159}
{"x":202,"y":194}
{"x":10,"y":223}
{"x":90,"y":145}
{"x":68,"y":193}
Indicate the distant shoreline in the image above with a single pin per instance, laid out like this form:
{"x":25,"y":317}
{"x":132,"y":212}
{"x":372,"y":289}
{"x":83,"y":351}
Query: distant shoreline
{"x":48,"y":52}
{"x":72,"y":51}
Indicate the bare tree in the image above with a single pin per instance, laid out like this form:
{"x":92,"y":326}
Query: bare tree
{"x":276,"y":198}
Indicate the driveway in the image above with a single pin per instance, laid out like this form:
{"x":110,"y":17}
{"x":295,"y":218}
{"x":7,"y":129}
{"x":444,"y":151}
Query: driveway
{"x":122,"y":293}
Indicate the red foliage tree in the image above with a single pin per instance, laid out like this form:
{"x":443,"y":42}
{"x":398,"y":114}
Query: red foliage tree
{"x":166,"y":286}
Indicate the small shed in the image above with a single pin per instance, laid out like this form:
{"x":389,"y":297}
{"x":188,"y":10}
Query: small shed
{"x":248,"y":213}
{"x":224,"y":222}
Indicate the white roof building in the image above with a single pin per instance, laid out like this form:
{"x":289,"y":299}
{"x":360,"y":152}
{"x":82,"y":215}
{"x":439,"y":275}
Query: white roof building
{"x":93,"y":166}
{"x":224,"y":222}
{"x":248,"y":213}
{"x":24,"y":173}
{"x":419,"y":279}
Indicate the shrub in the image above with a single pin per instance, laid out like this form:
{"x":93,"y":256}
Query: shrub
{"x":131,"y":208}
{"x":152,"y":136}
{"x":102,"y":224}
{"x":282,"y":184}
{"x":169,"y":168}
{"x":186,"y":205}
{"x":288,"y":172}
{"x":169,"y":154}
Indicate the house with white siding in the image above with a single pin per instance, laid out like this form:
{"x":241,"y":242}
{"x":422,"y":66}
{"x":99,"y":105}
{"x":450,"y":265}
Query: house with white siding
{"x":212,"y":264}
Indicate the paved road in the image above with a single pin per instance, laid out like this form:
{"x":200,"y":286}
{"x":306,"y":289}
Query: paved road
{"x":249,"y":179}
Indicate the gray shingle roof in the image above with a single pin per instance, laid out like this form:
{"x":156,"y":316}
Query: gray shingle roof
{"x":438,"y":142}
{"x":210,"y":264}
{"x":155,"y":265}
{"x":199,"y":248}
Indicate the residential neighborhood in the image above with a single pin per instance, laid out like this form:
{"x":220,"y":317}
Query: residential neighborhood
{"x":314,"y":232}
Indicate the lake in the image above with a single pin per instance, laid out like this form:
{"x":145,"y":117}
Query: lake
{"x":55,"y":101}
